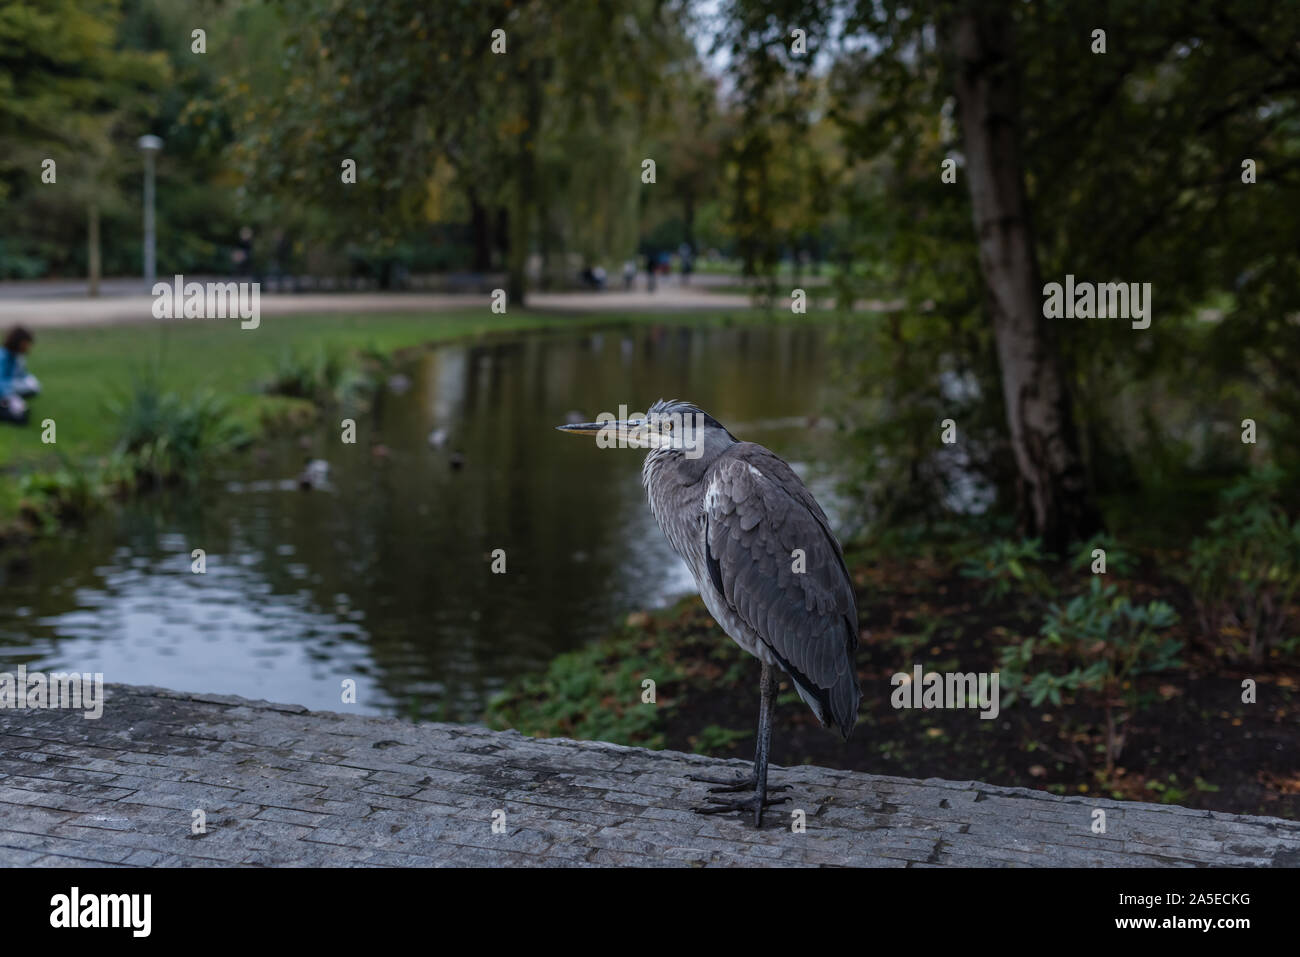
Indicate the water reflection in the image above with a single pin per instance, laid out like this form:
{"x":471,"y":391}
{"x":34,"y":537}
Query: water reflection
{"x":385,"y":577}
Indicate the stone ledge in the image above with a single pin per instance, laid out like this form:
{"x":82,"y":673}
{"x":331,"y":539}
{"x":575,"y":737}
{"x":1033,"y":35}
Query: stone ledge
{"x":281,"y":785}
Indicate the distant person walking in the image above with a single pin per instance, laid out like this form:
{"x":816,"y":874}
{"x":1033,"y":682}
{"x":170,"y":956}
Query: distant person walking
{"x":17,"y":385}
{"x":650,"y":267}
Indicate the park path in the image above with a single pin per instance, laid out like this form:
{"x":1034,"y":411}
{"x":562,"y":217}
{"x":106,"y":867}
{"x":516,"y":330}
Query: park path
{"x":30,"y":305}
{"x":279,"y":785}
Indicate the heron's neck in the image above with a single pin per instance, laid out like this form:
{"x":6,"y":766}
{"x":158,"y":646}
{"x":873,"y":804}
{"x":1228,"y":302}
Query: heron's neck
{"x":657,"y":466}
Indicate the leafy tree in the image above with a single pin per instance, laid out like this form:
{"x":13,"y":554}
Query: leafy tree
{"x":1124,"y":166}
{"x":403,"y":89}
{"x":70,"y":93}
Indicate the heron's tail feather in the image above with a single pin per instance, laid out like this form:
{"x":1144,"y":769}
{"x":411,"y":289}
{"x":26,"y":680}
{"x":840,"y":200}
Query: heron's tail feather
{"x":844,"y":703}
{"x":836,"y":705}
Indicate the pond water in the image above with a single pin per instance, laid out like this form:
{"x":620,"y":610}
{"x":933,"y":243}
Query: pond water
{"x":385,"y":576}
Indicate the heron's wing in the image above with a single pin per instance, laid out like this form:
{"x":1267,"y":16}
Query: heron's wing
{"x":773,"y":557}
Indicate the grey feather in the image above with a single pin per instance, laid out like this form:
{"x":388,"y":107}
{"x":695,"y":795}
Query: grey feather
{"x":736,"y":515}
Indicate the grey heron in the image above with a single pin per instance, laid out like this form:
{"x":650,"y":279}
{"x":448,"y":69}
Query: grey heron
{"x":764,"y":558}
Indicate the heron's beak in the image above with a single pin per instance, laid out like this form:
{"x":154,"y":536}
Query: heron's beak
{"x":587,"y":428}
{"x":618,"y":433}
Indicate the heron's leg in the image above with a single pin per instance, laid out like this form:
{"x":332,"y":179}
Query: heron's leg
{"x":767,"y":698}
{"x":759,"y":799}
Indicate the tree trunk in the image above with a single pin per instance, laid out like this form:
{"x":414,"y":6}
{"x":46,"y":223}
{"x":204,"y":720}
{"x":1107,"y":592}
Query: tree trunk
{"x":1056,"y":502}
{"x":92,"y":249}
{"x":521,"y":216}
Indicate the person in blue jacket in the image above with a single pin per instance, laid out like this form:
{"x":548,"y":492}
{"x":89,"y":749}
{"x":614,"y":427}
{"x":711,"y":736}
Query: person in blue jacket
{"x":17,"y":385}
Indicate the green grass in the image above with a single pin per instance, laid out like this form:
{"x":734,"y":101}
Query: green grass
{"x":82,"y":370}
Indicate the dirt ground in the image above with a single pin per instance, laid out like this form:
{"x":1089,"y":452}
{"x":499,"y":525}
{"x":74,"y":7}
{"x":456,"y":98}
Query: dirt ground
{"x":1196,"y":744}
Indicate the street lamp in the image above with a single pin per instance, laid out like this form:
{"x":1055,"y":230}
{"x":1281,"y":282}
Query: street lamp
{"x":149,"y":145}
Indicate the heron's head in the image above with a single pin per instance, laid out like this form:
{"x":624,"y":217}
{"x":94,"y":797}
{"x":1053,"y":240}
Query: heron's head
{"x":670,"y":426}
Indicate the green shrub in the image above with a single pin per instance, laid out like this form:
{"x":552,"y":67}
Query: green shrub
{"x":714,"y":738}
{"x":322,"y":376}
{"x":17,"y":264}
{"x":592,"y":693}
{"x":1007,"y":566}
{"x":1245,"y":571}
{"x":1105,"y":642}
{"x":1119,"y":560}
{"x":67,"y":494}
{"x":168,"y":437}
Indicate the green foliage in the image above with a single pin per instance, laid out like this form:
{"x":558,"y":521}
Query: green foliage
{"x":15,"y":264}
{"x":1244,"y":573}
{"x":72,"y":92}
{"x":1119,"y":560}
{"x":1006,"y":566}
{"x":543,"y":142}
{"x":713,"y":739}
{"x":593,"y":693}
{"x":68,"y":493}
{"x":323,"y":375}
{"x":168,"y":437}
{"x":1173,"y":91}
{"x":1102,"y":622}
{"x":1168,"y":793}
{"x":901,"y":375}
{"x":1097,"y":644}
{"x":73,"y":491}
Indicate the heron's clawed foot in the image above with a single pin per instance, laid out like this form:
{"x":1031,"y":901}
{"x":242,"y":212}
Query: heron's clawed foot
{"x":754,"y":802}
{"x":726,"y":785}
